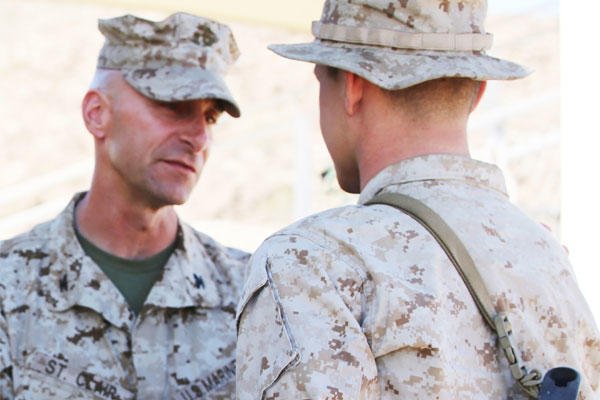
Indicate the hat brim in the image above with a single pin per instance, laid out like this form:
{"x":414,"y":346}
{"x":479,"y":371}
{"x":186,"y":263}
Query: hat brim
{"x":180,"y":84}
{"x":394,"y":69}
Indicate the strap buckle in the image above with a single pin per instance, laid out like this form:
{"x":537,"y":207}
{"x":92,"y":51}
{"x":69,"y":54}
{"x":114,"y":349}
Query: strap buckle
{"x":529,"y":381}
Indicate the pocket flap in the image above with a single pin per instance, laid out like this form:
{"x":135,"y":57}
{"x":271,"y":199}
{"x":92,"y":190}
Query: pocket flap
{"x":404,"y":321}
{"x":256,"y":279}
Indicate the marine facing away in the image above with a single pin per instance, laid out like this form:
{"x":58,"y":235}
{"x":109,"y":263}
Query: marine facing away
{"x":361,"y":302}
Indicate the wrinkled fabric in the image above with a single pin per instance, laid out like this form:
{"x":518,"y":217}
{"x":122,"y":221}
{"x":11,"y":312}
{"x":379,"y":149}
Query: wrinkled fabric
{"x":180,"y":58}
{"x":66,"y":332}
{"x":361,"y":302}
{"x":394,"y":68}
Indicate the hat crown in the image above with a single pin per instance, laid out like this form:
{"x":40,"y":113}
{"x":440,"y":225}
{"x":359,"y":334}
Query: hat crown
{"x":410,"y":16}
{"x":179,"y":40}
{"x":396,"y":44}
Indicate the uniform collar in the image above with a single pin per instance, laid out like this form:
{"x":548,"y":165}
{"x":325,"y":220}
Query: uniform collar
{"x":75,"y":280}
{"x":436,"y":167}
{"x":190,"y":276}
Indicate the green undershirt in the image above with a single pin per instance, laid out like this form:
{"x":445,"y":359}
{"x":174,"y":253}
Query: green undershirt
{"x":133,"y":278}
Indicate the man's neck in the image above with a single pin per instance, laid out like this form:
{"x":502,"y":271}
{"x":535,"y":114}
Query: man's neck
{"x":389,"y":145}
{"x":124,"y":228}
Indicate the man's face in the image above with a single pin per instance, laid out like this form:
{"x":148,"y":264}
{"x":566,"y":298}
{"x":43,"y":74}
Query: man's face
{"x":334,"y":128}
{"x":157,"y":150}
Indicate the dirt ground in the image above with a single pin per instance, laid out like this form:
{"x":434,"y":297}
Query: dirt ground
{"x":257,"y":179}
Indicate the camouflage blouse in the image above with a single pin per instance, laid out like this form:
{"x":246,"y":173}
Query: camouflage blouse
{"x":66,"y":332}
{"x":360,"y":302}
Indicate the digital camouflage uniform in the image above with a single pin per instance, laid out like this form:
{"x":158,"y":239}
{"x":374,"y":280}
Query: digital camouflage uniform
{"x":360,"y":302}
{"x":66,"y":332}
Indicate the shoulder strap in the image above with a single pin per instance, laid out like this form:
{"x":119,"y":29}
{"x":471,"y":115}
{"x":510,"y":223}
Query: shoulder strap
{"x":464,"y":264}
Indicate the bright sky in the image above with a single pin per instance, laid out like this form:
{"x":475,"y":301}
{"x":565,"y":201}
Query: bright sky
{"x":512,"y":6}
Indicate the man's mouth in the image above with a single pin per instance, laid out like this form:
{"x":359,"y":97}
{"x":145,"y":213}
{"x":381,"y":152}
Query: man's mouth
{"x":181,"y":165}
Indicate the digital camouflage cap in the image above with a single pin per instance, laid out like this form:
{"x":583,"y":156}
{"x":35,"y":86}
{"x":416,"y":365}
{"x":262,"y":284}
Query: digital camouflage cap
{"x":181,"y":58}
{"x":397,"y":44}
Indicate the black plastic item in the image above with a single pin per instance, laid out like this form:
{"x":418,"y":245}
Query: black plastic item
{"x":560,"y":383}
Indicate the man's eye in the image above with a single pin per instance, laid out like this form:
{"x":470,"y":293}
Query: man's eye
{"x":212,"y":117}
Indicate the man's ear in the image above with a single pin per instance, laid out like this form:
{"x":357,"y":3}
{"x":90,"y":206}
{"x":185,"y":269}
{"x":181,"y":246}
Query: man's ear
{"x":479,"y":95}
{"x":96,"y":113}
{"x":354,"y":89}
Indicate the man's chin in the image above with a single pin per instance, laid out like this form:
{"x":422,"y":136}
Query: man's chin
{"x":349,"y":185}
{"x":177,"y":200}
{"x":168,"y":198}
{"x":171,"y":191}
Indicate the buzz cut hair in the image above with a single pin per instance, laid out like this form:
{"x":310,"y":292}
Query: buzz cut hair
{"x":442,"y":97}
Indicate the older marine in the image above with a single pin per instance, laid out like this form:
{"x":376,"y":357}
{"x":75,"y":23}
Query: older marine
{"x":117,"y":298}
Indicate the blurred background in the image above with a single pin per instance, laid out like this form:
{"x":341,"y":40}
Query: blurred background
{"x":270,"y":167}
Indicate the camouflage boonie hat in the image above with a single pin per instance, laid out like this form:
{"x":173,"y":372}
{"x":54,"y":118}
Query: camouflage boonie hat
{"x":397,"y":44}
{"x":180,"y":58}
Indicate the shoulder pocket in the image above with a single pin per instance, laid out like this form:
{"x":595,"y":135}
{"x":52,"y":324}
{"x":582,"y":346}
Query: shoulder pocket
{"x":266,"y":348}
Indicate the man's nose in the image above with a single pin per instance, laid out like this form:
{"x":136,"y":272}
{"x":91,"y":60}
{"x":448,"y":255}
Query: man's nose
{"x":196,"y":133}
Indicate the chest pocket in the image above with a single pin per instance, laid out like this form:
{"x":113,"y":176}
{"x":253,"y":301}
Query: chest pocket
{"x":45,"y":376}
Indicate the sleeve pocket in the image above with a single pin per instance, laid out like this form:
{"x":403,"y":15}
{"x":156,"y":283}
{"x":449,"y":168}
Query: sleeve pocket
{"x":266,"y":348}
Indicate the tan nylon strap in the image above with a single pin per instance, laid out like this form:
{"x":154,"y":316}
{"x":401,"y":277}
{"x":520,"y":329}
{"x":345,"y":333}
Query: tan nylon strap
{"x":461,"y":259}
{"x":403,"y":40}
{"x":452,"y":245}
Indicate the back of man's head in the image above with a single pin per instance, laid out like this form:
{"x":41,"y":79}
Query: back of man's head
{"x":427,"y":56}
{"x":438,"y":99}
{"x":444,"y":98}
